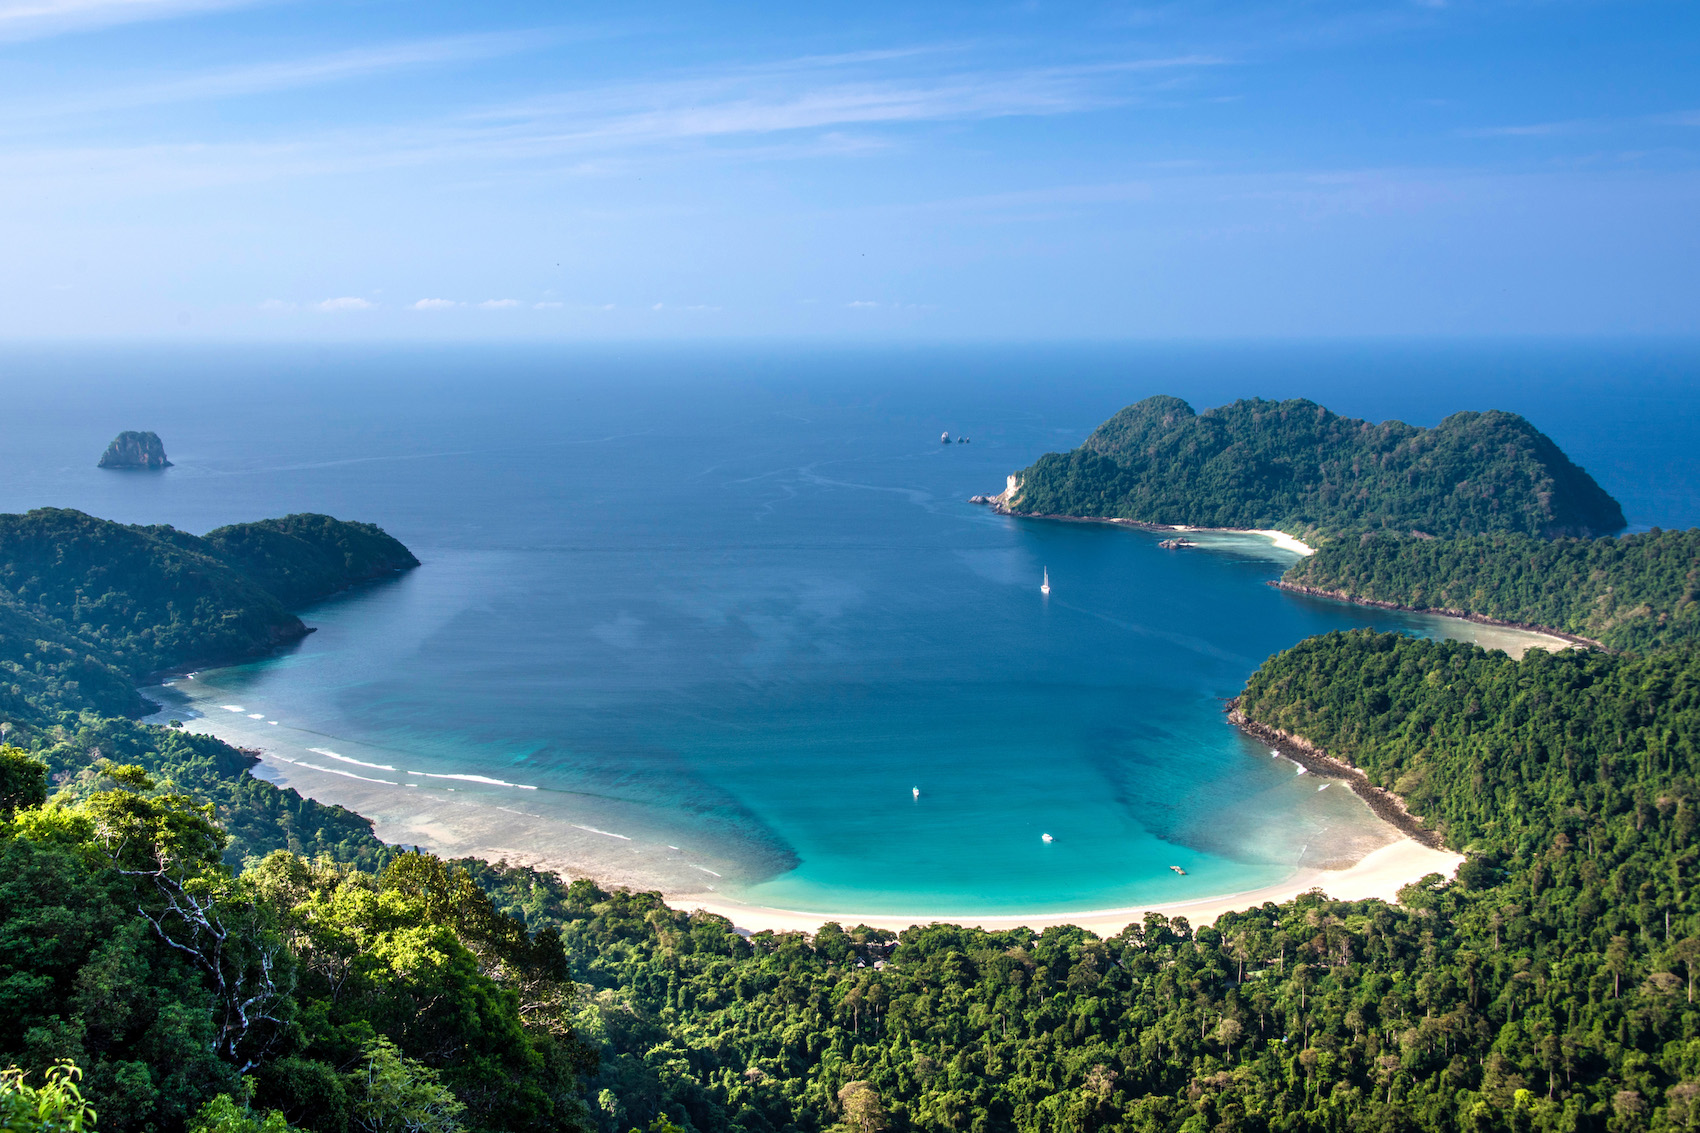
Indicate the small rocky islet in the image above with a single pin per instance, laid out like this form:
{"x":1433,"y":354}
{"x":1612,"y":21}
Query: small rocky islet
{"x":131,"y":449}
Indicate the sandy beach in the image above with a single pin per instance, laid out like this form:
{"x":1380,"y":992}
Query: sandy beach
{"x":1287,"y":543}
{"x":1381,"y":874}
{"x":1281,"y":539}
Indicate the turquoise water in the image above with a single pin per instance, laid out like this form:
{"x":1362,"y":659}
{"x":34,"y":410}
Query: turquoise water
{"x":709,"y":621}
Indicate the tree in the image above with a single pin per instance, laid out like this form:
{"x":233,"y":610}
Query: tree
{"x":1617,"y":962}
{"x":1687,"y":951}
{"x":222,"y":1115}
{"x":1228,"y":1032}
{"x":392,"y":1094}
{"x":23,"y":781}
{"x":861,"y":1105}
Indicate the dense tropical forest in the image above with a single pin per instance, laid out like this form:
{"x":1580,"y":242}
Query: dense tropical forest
{"x":1630,"y":593}
{"x":1296,"y":467}
{"x":185,"y":947}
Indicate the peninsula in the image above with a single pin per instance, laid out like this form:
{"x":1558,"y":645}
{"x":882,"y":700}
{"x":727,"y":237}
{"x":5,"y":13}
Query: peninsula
{"x":135,"y":450}
{"x":1633,"y":592}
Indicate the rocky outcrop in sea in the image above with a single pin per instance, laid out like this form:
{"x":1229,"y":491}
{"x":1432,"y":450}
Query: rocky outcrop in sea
{"x":135,"y":450}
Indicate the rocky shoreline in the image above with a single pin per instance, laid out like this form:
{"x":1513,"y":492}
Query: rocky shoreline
{"x":1386,"y":805}
{"x":1461,"y":615}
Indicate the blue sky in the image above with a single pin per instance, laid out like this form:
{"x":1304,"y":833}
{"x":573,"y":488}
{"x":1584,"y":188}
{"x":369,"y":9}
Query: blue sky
{"x":378,"y":169}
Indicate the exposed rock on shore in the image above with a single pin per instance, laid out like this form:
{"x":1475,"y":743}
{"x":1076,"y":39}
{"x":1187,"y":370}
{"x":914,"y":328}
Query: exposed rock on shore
{"x":1387,"y":806}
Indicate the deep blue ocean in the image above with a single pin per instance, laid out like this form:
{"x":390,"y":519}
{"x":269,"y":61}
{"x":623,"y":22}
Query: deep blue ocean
{"x":709,"y":616}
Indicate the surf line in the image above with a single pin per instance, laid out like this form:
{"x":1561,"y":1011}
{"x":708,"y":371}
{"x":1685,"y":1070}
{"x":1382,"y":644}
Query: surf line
{"x":604,"y":833}
{"x":485,"y":779}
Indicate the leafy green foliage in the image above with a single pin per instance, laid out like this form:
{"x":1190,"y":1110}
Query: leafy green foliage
{"x":44,"y":665}
{"x":257,"y":816}
{"x":23,"y":780}
{"x":420,"y":955}
{"x":222,"y":1115}
{"x":84,"y":978}
{"x":1295,"y":466}
{"x":399,"y":1000}
{"x":393,"y":1094}
{"x":1635,"y":592}
{"x":57,"y":1106}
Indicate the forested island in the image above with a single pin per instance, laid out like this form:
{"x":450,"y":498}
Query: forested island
{"x":209,"y":951}
{"x":1294,"y":466}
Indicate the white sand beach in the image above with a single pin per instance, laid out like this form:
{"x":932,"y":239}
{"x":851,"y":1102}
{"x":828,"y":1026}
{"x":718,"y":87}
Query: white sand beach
{"x":1281,"y":539}
{"x":1381,"y":874}
{"x":1287,"y":543}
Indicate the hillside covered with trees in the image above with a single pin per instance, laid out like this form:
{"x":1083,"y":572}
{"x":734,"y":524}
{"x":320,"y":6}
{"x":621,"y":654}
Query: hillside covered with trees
{"x":88,"y":606}
{"x":1634,"y":592}
{"x":1296,"y":467}
{"x":289,"y":971}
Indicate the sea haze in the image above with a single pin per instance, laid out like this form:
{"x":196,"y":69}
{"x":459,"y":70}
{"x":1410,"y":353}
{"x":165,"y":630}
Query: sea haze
{"x":706,"y":618}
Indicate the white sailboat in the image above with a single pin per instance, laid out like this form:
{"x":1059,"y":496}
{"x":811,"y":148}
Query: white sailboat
{"x":1045,"y":586}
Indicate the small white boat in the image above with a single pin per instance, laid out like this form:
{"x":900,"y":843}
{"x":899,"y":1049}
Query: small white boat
{"x":916,"y":791}
{"x":1045,"y":588}
{"x":1044,"y":838}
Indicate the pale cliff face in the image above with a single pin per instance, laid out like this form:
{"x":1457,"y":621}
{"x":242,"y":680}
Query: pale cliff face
{"x":1012,"y":488}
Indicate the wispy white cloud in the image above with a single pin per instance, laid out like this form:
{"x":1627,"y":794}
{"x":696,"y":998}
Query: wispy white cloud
{"x":39,"y":19}
{"x":1680,"y":118}
{"x":287,"y":74}
{"x":346,"y":303}
{"x":499,"y":304}
{"x":1534,"y":129}
{"x":761,"y":113}
{"x":434,"y":304}
{"x":753,"y":102}
{"x":547,"y":305}
{"x":1569,"y":126}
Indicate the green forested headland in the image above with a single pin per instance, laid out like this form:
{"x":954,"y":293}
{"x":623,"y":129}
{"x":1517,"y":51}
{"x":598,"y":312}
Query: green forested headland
{"x":1296,"y":467}
{"x":136,"y":600}
{"x":294,"y":970}
{"x":1634,"y":592}
{"x":302,"y":558}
